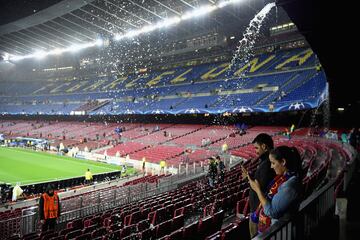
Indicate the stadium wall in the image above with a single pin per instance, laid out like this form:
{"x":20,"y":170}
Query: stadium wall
{"x":303,"y":118}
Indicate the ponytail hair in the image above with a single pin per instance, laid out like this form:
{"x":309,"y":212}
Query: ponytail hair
{"x":293,"y":161}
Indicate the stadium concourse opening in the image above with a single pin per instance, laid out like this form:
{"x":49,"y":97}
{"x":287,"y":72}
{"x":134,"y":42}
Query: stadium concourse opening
{"x":148,"y":120}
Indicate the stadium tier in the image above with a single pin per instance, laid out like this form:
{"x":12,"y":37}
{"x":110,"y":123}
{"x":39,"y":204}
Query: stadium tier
{"x":175,"y":143}
{"x":194,"y":210}
{"x":153,"y":120}
{"x":286,"y":80}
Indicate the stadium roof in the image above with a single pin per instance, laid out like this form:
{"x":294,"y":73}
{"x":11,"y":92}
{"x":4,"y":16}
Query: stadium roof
{"x":72,"y":22}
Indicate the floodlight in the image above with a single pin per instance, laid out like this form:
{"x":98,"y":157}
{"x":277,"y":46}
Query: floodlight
{"x":40,"y":54}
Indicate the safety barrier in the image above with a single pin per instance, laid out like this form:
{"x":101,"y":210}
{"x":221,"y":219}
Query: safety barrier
{"x":319,"y":207}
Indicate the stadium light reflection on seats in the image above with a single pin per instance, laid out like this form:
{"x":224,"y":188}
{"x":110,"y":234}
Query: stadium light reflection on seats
{"x":133,"y":33}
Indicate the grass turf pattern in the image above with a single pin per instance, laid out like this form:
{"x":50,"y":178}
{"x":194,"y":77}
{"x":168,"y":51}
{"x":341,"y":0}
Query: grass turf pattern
{"x":27,"y":166}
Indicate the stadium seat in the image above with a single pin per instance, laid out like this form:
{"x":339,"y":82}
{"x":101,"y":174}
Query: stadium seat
{"x":177,"y":222}
{"x":49,"y":235}
{"x":30,"y":236}
{"x":73,"y":234}
{"x":86,"y":236}
{"x":163,"y":229}
{"x":205,"y":226}
{"x":147,"y":234}
{"x":99,"y":232}
{"x":190,"y":231}
{"x":176,"y":235}
{"x":57,"y":238}
{"x":142,"y":225}
{"x":215,"y":236}
{"x":218,"y":220}
{"x":242,"y":208}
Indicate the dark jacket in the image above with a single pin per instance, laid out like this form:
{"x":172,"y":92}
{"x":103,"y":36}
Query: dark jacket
{"x":264,"y":174}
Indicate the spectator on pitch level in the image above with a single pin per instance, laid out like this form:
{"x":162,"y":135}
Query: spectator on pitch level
{"x":88,"y":177}
{"x":143,"y":164}
{"x":162,"y":166}
{"x":123,"y":170}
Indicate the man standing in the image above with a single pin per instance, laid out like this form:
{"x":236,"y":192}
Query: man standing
{"x":88,"y":177}
{"x":162,"y":166}
{"x":221,"y":171}
{"x":263,"y":143}
{"x":49,"y":208}
{"x":143,"y":165}
{"x":123,"y":170}
{"x":212,"y":174}
{"x":224,"y":148}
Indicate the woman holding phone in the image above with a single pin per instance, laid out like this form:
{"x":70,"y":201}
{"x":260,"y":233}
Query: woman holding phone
{"x":284,"y":192}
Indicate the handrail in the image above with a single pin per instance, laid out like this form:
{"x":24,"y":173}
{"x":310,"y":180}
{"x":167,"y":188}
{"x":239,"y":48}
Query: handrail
{"x":311,"y":211}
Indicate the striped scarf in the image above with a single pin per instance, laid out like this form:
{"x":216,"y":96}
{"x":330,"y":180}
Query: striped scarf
{"x":259,"y":216}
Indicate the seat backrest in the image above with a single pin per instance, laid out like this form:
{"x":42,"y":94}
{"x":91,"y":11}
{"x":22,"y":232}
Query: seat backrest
{"x":163,"y":229}
{"x":49,"y":236}
{"x":73,"y":234}
{"x":215,"y":236}
{"x":86,"y":236}
{"x":190,"y":230}
{"x":205,"y":226}
{"x":177,"y":235}
{"x":177,"y":222}
{"x":218,"y":220}
{"x":142,"y":225}
{"x":179,"y":211}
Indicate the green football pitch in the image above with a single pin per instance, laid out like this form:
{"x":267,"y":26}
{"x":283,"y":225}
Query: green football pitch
{"x":27,"y":166}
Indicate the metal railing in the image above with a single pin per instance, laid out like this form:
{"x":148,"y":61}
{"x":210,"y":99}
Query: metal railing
{"x":312,"y":211}
{"x":121,"y":196}
{"x":318,"y":207}
{"x":97,"y":202}
{"x":350,"y":168}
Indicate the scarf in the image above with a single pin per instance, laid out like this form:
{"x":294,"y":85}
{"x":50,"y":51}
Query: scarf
{"x":259,"y":216}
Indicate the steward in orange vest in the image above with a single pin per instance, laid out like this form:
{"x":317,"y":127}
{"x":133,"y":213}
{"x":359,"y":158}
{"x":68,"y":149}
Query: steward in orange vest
{"x":49,"y":208}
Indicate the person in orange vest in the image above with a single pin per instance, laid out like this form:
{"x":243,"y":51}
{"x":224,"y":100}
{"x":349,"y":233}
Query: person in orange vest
{"x":49,"y":208}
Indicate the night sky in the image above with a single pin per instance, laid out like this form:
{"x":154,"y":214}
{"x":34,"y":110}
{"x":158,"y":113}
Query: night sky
{"x":12,"y":10}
